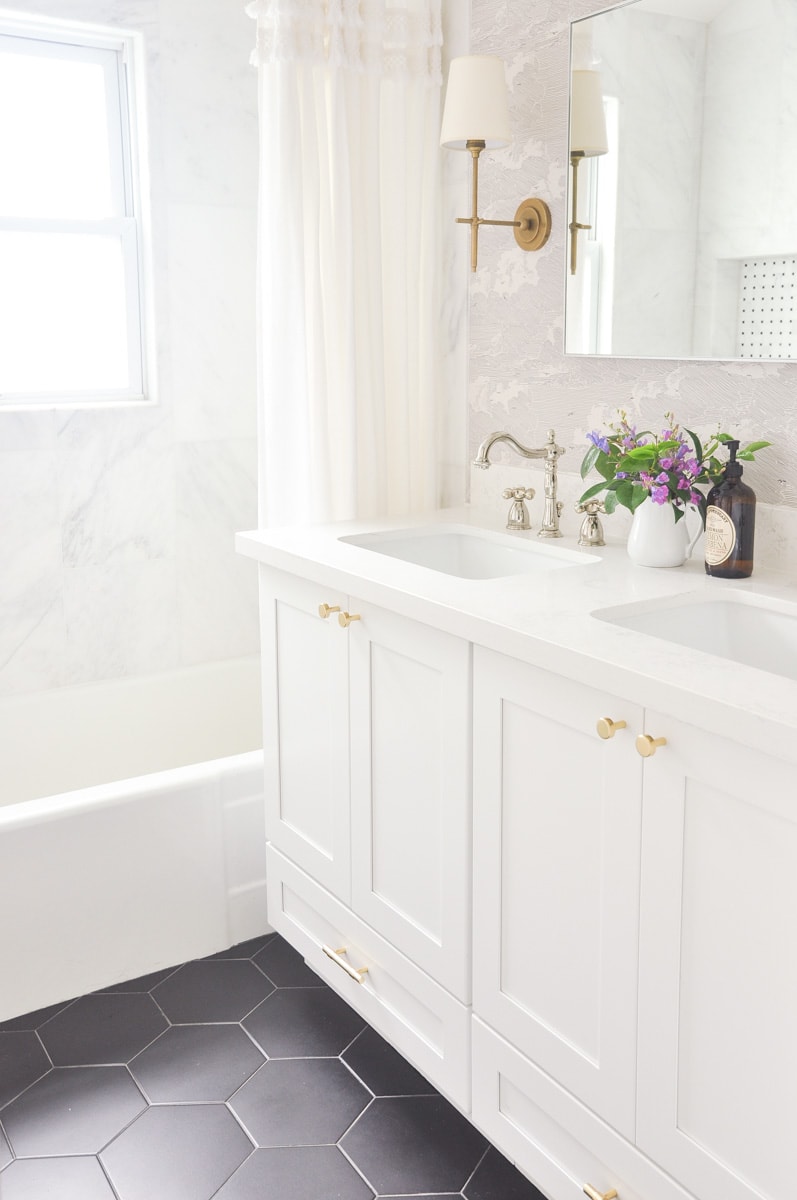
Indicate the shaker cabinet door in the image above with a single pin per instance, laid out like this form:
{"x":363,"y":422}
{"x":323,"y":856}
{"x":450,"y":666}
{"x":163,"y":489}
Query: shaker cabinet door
{"x":410,"y":790}
{"x":557,"y":815}
{"x":718,"y":966}
{"x":306,"y":726}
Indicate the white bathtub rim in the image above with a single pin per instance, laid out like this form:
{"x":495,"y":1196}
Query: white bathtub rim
{"x":23,"y":813}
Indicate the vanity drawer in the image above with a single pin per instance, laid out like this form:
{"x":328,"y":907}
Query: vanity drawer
{"x":549,"y":1135}
{"x":417,"y":1016}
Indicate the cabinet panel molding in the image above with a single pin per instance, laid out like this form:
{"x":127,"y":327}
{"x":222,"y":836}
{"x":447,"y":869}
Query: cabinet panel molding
{"x":557,"y":817}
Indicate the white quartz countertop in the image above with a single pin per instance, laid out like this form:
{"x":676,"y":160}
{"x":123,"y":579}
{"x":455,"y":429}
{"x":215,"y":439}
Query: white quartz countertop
{"x":547,"y":619}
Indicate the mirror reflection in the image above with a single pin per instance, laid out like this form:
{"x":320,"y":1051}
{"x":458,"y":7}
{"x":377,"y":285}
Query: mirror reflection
{"x":683,"y":181}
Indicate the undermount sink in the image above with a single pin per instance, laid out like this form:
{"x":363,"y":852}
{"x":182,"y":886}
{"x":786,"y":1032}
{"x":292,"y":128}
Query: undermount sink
{"x":748,"y":629}
{"x":467,"y":552}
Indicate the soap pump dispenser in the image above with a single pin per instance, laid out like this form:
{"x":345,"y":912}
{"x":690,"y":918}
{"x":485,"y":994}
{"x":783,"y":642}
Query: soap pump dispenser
{"x":730,"y":523}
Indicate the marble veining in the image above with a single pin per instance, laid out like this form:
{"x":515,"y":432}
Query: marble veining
{"x":519,"y":376}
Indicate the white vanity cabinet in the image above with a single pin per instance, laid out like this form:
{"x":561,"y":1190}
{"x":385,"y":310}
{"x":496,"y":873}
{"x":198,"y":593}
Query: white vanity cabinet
{"x":368,"y":744}
{"x":718,"y":965}
{"x":635,"y":961}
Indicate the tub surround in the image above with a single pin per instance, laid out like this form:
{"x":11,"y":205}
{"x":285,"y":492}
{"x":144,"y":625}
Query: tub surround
{"x":545,"y":854}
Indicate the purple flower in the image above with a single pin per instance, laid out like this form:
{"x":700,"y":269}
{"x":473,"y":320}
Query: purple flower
{"x":692,"y":466}
{"x":629,"y":443}
{"x":695,"y":498}
{"x":660,"y":495}
{"x":663,"y":478}
{"x":599,"y":440}
{"x":621,"y":474}
{"x":667,"y":463}
{"x":684,"y":485}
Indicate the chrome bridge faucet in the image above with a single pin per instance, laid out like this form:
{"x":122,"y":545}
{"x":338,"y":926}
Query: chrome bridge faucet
{"x":551,"y":453}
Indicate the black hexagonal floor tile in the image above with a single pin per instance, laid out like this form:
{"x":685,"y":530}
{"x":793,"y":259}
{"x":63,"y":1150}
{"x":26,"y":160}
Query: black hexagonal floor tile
{"x":299,"y":1102}
{"x":176,"y":1152}
{"x":496,"y":1178}
{"x":212,"y":990}
{"x":102,"y":1028}
{"x":72,"y":1110}
{"x":296,"y":1173}
{"x":196,"y":1063}
{"x":22,"y":1062}
{"x":32,"y":1020}
{"x":5,"y":1151}
{"x":304,"y":1023}
{"x":244,"y":949}
{"x":64,"y":1178}
{"x":414,"y":1145}
{"x":382,"y":1069}
{"x":285,"y":967}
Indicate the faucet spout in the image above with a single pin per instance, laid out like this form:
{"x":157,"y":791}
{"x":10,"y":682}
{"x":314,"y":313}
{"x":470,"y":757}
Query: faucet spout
{"x":482,"y":458}
{"x":551,"y":453}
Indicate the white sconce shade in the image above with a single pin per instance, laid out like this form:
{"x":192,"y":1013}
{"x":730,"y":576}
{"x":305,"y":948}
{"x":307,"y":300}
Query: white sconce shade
{"x":587,"y":119}
{"x":477,"y":104}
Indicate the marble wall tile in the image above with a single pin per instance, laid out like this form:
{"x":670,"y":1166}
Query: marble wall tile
{"x":217,"y":494}
{"x":120,"y":620}
{"x":31,"y":580}
{"x":520,"y":378}
{"x":212,"y":304}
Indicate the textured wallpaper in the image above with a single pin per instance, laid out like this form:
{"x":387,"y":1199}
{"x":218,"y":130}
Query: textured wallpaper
{"x":520,"y":378}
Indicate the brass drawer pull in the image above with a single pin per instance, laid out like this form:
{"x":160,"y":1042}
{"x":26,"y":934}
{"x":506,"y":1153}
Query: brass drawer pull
{"x":346,"y":618}
{"x":355,"y":973}
{"x":594,"y":1194}
{"x":647,"y":745}
{"x":607,"y":728}
{"x":324,"y":610}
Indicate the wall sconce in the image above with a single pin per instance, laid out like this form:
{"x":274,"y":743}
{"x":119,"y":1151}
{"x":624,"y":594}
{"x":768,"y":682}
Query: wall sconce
{"x":476,"y":118}
{"x":587,"y":139}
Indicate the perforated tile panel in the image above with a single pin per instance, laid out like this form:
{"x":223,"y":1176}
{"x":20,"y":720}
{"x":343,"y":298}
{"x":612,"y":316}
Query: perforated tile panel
{"x":768,"y":295}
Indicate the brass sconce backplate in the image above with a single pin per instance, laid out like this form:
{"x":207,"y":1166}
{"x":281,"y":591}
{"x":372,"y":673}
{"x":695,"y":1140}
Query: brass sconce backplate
{"x":532,"y":224}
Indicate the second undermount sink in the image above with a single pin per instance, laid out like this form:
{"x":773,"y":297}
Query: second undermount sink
{"x":467,"y":552}
{"x":748,"y":629}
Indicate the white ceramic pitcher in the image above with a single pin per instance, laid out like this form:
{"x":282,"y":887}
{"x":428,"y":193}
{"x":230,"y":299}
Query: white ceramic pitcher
{"x":657,"y":539}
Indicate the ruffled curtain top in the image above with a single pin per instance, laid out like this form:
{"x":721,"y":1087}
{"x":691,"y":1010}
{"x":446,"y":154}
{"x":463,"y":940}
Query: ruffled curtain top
{"x":394,"y":39}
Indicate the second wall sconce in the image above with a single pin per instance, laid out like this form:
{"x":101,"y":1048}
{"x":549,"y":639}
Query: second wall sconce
{"x":476,"y":118}
{"x":587,"y":140}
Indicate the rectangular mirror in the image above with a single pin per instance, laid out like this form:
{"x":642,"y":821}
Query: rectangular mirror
{"x":682,"y":133}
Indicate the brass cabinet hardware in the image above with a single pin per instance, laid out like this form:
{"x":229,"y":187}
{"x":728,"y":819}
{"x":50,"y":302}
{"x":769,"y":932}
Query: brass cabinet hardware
{"x":324,"y":610}
{"x":594,"y":1194}
{"x":647,"y":745}
{"x":355,"y":973}
{"x":346,"y":618}
{"x":607,"y":728}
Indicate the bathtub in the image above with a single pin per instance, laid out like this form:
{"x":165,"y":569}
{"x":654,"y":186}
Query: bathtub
{"x":131,"y":829}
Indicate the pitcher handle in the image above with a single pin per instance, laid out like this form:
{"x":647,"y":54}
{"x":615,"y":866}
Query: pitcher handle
{"x":694,"y":540}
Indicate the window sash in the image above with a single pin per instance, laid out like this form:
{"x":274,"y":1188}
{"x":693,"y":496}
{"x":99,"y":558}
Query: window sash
{"x":113,"y":54}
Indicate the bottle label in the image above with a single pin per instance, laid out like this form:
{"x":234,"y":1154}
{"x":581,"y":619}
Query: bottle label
{"x":720,"y":536}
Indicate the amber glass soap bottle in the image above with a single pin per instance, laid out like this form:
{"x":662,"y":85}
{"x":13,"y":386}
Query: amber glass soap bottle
{"x":730,"y":523}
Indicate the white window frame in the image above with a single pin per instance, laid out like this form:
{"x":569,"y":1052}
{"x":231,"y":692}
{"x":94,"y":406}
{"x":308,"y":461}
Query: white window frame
{"x":122,"y":57}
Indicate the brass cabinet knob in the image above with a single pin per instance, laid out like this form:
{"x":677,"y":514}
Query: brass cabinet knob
{"x":647,"y":745}
{"x":594,"y":1194}
{"x":346,"y":618}
{"x":607,"y":728}
{"x":324,"y":610}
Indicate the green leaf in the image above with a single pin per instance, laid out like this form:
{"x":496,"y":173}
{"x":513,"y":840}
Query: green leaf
{"x":610,"y":502}
{"x":753,"y":446}
{"x":697,"y":444}
{"x":679,"y":514}
{"x":639,"y":496}
{"x":605,"y":467}
{"x":592,"y":491}
{"x":590,"y":458}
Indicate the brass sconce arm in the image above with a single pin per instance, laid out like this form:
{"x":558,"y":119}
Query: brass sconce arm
{"x":575,"y":224}
{"x":532,"y":223}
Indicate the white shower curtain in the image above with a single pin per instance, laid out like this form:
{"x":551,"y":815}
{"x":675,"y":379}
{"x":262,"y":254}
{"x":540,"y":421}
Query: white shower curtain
{"x":349,"y":251}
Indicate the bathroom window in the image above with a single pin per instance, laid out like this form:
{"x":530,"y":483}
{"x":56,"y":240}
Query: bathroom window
{"x":71,"y":263}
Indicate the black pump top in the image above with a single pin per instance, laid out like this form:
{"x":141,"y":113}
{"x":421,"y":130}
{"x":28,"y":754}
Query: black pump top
{"x":733,"y":469}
